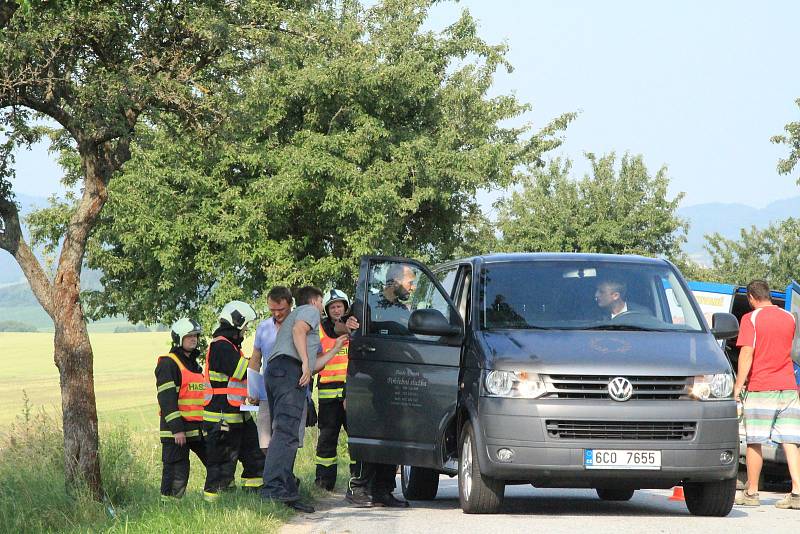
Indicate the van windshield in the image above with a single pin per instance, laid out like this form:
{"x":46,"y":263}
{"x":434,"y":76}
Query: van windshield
{"x":585,"y":295}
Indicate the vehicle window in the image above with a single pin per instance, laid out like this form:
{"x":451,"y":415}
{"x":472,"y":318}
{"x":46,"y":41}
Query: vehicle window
{"x":447,"y":278}
{"x":462,"y":299}
{"x":585,"y":295}
{"x":395,"y":291}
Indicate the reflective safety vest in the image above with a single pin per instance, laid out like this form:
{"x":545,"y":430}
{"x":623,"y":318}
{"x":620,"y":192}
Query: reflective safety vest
{"x":336,"y":369}
{"x":194,"y":392}
{"x":236,"y":389}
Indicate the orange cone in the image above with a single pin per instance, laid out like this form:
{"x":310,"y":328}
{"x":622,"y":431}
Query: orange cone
{"x":677,"y":494}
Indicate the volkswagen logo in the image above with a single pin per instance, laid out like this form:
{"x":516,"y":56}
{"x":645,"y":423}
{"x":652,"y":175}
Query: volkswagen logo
{"x":620,"y":389}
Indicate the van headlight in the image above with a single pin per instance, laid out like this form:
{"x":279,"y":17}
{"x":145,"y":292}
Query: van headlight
{"x":513,"y":384}
{"x":712,"y":387}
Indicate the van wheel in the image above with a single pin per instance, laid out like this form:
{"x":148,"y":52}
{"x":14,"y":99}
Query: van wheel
{"x":710,"y":498}
{"x":419,"y":483}
{"x":614,"y":494}
{"x":477,"y":494}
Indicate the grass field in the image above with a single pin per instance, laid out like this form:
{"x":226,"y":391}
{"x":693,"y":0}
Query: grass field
{"x":32,"y":496}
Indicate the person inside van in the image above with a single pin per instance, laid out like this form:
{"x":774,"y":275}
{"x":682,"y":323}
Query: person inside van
{"x":389,"y":309}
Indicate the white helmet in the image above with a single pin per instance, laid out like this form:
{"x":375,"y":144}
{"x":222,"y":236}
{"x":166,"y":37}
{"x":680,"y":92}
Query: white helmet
{"x":334,"y":295}
{"x":237,"y":314}
{"x":184,"y":327}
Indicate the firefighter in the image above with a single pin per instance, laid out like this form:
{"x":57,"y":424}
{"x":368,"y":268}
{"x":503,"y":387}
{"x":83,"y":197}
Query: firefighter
{"x":182,"y":392}
{"x":230,"y":434}
{"x":330,"y":386}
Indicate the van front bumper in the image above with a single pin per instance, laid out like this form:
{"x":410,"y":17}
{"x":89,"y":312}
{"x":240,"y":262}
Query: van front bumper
{"x":547,"y":459}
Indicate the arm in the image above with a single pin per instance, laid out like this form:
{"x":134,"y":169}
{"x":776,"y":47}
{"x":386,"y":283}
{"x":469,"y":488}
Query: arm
{"x":255,"y":360}
{"x":745,"y":363}
{"x":168,"y":380}
{"x":323,"y":360}
{"x":299,"y":333}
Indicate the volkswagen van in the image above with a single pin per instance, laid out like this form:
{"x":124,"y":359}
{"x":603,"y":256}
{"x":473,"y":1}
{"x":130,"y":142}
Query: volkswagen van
{"x":512,"y":369}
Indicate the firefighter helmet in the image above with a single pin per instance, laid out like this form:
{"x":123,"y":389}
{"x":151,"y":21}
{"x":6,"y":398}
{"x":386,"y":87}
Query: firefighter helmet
{"x":335,"y":295}
{"x":237,"y":314}
{"x":184,"y":327}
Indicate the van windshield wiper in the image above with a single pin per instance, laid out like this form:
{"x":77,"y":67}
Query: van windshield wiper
{"x":623,"y":326}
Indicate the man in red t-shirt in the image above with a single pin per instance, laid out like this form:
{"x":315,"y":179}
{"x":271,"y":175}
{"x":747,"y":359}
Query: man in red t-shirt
{"x":771,"y":404}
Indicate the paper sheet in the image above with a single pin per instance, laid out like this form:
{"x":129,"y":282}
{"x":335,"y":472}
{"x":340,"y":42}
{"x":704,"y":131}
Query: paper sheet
{"x":255,"y":385}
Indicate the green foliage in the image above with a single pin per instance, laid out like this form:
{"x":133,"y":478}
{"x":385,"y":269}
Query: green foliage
{"x":366,"y":135}
{"x":620,"y":209}
{"x":769,"y":254}
{"x":792,"y":139}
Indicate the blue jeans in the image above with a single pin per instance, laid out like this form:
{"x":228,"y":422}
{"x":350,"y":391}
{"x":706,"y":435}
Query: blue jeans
{"x":286,"y":402}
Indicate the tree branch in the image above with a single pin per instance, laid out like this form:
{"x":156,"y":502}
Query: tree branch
{"x":11,"y":240}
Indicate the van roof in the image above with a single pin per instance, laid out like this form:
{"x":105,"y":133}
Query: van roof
{"x":555,"y":256}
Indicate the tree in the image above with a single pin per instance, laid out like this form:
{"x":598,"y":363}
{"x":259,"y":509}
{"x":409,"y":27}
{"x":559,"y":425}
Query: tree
{"x":792,"y":139}
{"x":369,"y":135}
{"x":97,"y":70}
{"x":615,"y":210}
{"x":769,"y":254}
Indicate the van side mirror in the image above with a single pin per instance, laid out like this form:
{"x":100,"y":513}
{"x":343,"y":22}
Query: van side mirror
{"x":430,"y":322}
{"x":724,"y":326}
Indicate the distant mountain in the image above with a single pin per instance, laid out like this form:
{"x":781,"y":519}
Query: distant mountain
{"x":728,"y":219}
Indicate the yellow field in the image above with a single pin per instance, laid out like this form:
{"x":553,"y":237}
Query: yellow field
{"x":123,"y":372}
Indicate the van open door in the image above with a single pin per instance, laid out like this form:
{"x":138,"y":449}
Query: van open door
{"x":403,"y":373}
{"x":793,"y":307}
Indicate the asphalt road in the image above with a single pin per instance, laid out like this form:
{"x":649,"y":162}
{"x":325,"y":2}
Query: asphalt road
{"x":549,"y":511}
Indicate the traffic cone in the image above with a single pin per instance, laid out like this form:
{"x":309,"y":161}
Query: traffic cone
{"x":677,"y":494}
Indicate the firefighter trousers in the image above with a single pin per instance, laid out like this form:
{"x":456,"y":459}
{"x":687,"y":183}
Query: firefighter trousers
{"x":331,"y":420}
{"x":224,"y":448}
{"x":175,"y":465}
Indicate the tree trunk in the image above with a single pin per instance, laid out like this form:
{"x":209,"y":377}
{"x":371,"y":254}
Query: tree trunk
{"x":74,"y":359}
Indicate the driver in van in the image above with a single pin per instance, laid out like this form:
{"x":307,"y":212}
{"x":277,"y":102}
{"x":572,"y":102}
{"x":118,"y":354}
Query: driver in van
{"x":610,"y":296}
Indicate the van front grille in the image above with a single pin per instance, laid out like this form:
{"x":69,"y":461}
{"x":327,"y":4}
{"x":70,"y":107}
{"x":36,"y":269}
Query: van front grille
{"x":596,"y":386}
{"x":632,"y":430}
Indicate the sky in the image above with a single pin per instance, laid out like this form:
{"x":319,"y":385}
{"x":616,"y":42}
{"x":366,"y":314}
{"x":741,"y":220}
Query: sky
{"x":697,"y":86}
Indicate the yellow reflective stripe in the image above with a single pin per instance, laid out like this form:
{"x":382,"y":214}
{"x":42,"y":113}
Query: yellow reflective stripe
{"x":330,"y":393}
{"x":189,"y":433}
{"x":217,"y":377}
{"x":192,"y":413}
{"x":190,"y":402}
{"x":336,"y":366}
{"x":241,"y":369}
{"x":165,"y":386}
{"x":210,"y":497}
{"x":216,"y":417}
{"x":327,"y":462}
{"x":172,"y":416}
{"x":252,"y":482}
{"x":328,"y":379}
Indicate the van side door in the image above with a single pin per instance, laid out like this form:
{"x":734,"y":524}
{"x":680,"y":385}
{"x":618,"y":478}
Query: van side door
{"x":402,"y":384}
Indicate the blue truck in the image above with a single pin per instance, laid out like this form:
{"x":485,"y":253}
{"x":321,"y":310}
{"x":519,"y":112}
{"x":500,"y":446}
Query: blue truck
{"x":728,"y":298}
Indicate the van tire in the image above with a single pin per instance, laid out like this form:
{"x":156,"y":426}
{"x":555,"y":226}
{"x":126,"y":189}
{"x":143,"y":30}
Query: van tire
{"x":714,"y":499}
{"x":615,"y":494}
{"x":419,"y":483}
{"x":477,"y":494}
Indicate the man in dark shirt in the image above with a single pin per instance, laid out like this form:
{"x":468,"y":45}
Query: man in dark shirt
{"x":179,"y":424}
{"x":231,"y":435}
{"x":389,"y":314}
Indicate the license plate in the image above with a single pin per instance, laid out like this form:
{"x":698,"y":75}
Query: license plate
{"x":621,"y":459}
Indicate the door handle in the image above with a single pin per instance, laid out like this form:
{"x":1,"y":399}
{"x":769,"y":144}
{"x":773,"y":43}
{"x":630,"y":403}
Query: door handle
{"x":367,"y":348}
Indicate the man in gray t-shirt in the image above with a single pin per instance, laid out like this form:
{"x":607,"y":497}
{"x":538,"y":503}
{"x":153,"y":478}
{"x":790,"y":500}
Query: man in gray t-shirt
{"x":284,"y":341}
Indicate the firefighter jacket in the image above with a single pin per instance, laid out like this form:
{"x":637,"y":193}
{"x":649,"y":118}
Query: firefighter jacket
{"x":226,"y":370}
{"x":175,"y":372}
{"x":332,"y":378}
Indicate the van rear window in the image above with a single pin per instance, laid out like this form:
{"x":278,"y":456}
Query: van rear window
{"x":585,"y":295}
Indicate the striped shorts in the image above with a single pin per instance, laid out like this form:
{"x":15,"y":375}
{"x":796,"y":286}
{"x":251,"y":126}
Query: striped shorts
{"x":772,"y":416}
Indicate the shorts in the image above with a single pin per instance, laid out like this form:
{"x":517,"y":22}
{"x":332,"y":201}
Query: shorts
{"x":263,"y":423}
{"x":772,"y":416}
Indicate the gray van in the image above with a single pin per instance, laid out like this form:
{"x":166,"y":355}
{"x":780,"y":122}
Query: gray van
{"x":508,"y":369}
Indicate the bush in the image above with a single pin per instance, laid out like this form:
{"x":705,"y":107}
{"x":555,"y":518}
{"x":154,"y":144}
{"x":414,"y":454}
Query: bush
{"x":16,"y":326}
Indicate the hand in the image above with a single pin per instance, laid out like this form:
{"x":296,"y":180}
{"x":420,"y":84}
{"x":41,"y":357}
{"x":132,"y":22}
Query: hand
{"x":252,"y":401}
{"x":341,"y":340}
{"x":305,"y":378}
{"x":180,"y":438}
{"x":737,"y":390}
{"x":352,"y":323}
